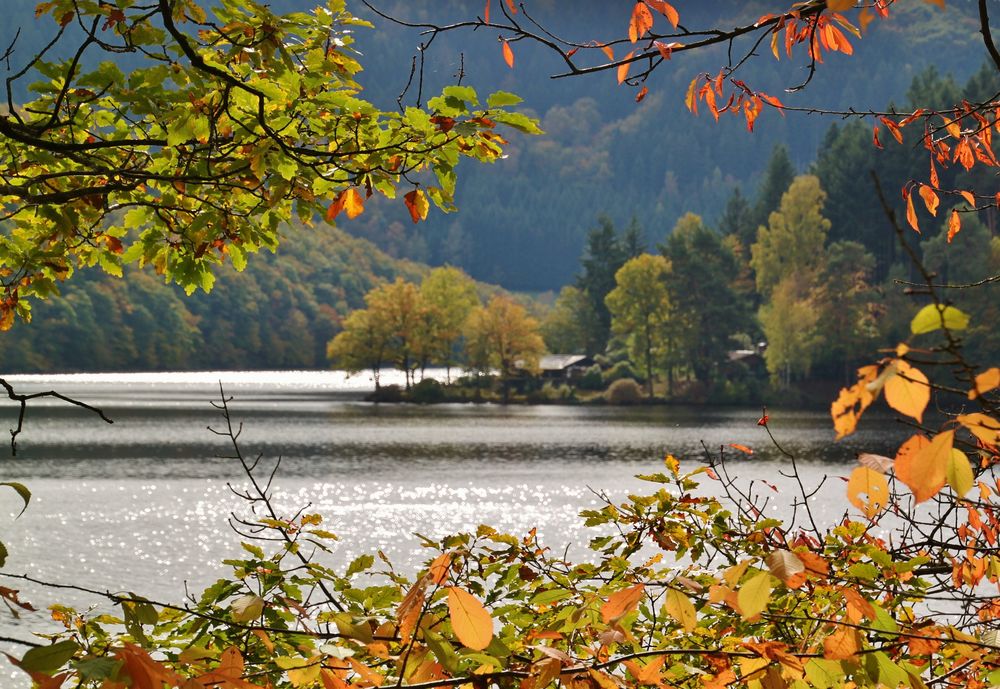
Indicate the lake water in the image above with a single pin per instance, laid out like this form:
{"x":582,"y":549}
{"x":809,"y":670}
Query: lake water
{"x":142,"y":505}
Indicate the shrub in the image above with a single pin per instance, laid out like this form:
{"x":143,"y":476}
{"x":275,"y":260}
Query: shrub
{"x":624,"y":391}
{"x":620,"y":371}
{"x":591,"y":379}
{"x":427,"y":391}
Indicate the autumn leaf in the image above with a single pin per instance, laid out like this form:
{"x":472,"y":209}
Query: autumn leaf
{"x":841,"y":645}
{"x":508,"y":54}
{"x":621,"y":603}
{"x":336,"y":206}
{"x":640,"y":22}
{"x":911,"y":214}
{"x":754,"y":595}
{"x":954,"y":225}
{"x":875,"y":462}
{"x":742,"y":448}
{"x":905,"y":454}
{"x":642,"y":94}
{"x":785,"y":565}
{"x":353,"y":203}
{"x":623,"y":68}
{"x":408,"y":613}
{"x":840,"y":5}
{"x":969,"y":198}
{"x":930,"y":198}
{"x":871,"y":483}
{"x":679,"y":607}
{"x":959,"y":473}
{"x":470,"y":621}
{"x":984,"y":427}
{"x":666,"y":9}
{"x":486,"y":12}
{"x":926,"y":472}
{"x":417,"y":204}
{"x":932,"y":317}
{"x":984,"y":382}
{"x":690,"y":100}
{"x":908,"y":392}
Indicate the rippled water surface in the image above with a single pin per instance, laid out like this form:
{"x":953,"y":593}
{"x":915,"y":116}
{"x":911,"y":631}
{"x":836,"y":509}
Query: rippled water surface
{"x":142,"y":505}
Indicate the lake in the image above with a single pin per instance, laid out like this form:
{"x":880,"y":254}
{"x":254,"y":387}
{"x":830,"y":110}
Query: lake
{"x":142,"y":505}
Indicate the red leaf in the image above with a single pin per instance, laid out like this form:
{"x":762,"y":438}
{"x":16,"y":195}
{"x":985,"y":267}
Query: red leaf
{"x":486,"y":12}
{"x":878,"y":144}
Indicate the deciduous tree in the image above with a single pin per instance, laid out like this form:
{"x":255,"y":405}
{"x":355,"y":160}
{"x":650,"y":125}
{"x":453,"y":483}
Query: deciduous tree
{"x":641,"y":312}
{"x":502,"y":336}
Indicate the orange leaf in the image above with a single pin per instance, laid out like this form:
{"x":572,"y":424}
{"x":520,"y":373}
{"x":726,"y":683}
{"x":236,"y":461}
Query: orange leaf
{"x":666,"y":9}
{"x":338,"y":205}
{"x":642,"y":94}
{"x":607,"y":50}
{"x":893,"y":128}
{"x":486,"y":12}
{"x":666,"y":49}
{"x":952,"y":127}
{"x":416,"y":203}
{"x":878,"y":144}
{"x":984,"y":382}
{"x":927,"y":471}
{"x":911,"y":214}
{"x":871,"y":483}
{"x":905,"y":454}
{"x":742,"y":448}
{"x":935,"y":182}
{"x":640,"y":22}
{"x":908,"y":392}
{"x":969,"y":198}
{"x":622,"y":602}
{"x":841,"y":645}
{"x":623,"y":68}
{"x":470,"y":621}
{"x":930,"y":198}
{"x":511,"y":6}
{"x":954,"y":225}
{"x":984,"y":427}
{"x":410,"y":607}
{"x":353,"y":203}
{"x":508,"y":54}
{"x":439,"y":568}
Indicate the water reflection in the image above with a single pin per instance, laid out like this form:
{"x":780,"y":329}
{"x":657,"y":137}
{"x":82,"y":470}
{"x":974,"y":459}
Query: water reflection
{"x":142,"y":505}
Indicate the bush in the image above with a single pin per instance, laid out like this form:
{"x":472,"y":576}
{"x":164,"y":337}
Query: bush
{"x":624,"y":391}
{"x":427,"y":391}
{"x":591,"y":379}
{"x":386,"y":393}
{"x":620,"y":371}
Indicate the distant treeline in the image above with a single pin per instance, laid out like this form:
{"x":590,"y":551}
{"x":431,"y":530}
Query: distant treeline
{"x":279,"y":313}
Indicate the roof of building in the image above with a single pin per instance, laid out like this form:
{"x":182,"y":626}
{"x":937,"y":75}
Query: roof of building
{"x":559,"y":362}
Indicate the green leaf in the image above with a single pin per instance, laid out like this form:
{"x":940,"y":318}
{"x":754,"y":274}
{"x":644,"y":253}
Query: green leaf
{"x":247,"y":608}
{"x":500,"y":99}
{"x":754,"y":595}
{"x":360,"y":564}
{"x":21,"y":490}
{"x":930,"y":318}
{"x":48,"y":659}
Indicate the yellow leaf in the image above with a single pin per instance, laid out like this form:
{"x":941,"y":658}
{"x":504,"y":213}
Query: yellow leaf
{"x":984,"y":427}
{"x":908,"y":392}
{"x":754,"y":595}
{"x":469,"y":619}
{"x":681,"y":609}
{"x":984,"y":382}
{"x":953,"y":128}
{"x":959,"y":473}
{"x":928,"y":467}
{"x":871,"y":483}
{"x":930,"y":318}
{"x":353,"y":203}
{"x":621,"y":603}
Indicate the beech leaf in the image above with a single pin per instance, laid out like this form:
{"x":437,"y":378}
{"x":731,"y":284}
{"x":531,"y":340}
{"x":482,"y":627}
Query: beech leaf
{"x":930,"y":318}
{"x":621,"y":603}
{"x":679,"y":607}
{"x":908,"y":392}
{"x":754,"y":595}
{"x":928,"y":467}
{"x":470,"y":621}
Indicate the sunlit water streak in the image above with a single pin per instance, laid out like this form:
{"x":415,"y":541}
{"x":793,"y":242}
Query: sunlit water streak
{"x":142,"y":505}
